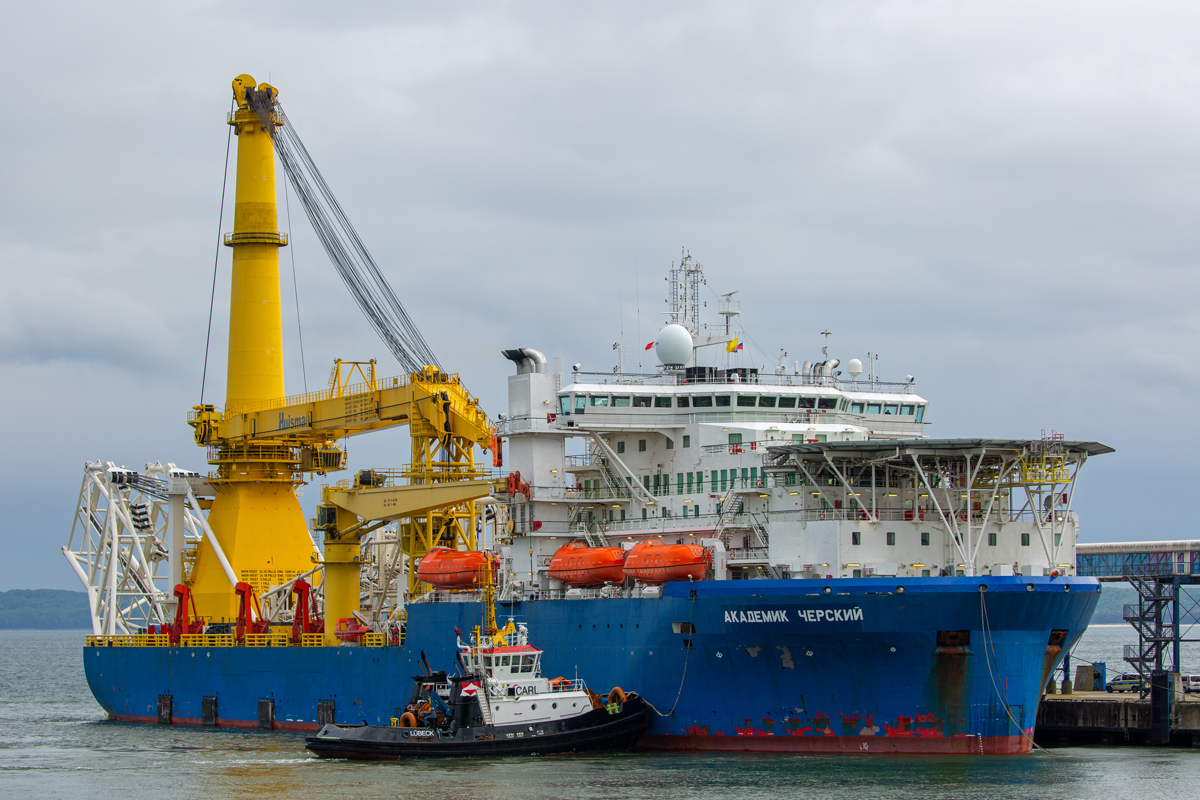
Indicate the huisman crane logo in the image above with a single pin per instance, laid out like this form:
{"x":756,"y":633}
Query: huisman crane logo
{"x":291,"y":422}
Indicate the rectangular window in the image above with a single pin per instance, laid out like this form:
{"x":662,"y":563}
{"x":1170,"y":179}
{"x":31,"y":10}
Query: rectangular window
{"x":662,"y":401}
{"x":580,"y":400}
{"x":806,"y":402}
{"x":925,"y":538}
{"x":1024,"y":540}
{"x":641,"y":402}
{"x":754,"y":475}
{"x":891,"y":537}
{"x":564,"y":405}
{"x":691,"y":481}
{"x":622,"y":515}
{"x":687,"y":440}
{"x":891,"y":408}
{"x":700,"y":481}
{"x":646,"y":482}
{"x":679,"y":482}
{"x":657,"y":481}
{"x":1057,"y":539}
{"x":787,"y":402}
{"x":745,"y":401}
{"x":641,"y":445}
{"x":735,"y":438}
{"x":828,"y":403}
{"x":620,"y":447}
{"x":598,"y":400}
{"x":924,"y":573}
{"x":857,"y":408}
{"x":702,"y":401}
{"x":906,"y":410}
{"x":724,"y":480}
{"x":724,"y":400}
{"x":789,"y":479}
{"x":683,"y":402}
{"x":920,"y":413}
{"x":874,"y":408}
{"x":855,"y":538}
{"x":643,"y":513}
{"x":621,"y":402}
{"x":670,"y":443}
{"x":766,"y":402}
{"x":991,"y":540}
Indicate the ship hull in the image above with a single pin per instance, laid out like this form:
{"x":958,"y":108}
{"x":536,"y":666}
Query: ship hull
{"x":949,"y":665}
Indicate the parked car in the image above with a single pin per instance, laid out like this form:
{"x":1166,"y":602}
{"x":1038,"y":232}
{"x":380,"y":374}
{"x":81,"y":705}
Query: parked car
{"x":1126,"y":682}
{"x":1191,"y":683}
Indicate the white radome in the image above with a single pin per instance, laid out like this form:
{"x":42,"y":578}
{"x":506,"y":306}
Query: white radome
{"x":673,"y":346}
{"x":854,"y":367}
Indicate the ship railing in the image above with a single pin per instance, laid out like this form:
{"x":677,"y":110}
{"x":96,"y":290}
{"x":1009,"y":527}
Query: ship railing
{"x":268,"y":640}
{"x":207,"y":640}
{"x":744,"y":555}
{"x":129,"y":640}
{"x":649,"y":420}
{"x":568,"y":685}
{"x":760,"y":379}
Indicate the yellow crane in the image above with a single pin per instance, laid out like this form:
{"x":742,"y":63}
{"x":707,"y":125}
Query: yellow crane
{"x":263,"y":441}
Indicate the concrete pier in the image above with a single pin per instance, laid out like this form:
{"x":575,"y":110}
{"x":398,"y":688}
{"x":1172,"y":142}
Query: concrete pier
{"x":1115,"y":719}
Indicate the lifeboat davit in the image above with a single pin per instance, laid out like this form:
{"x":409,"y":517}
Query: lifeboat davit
{"x":576,"y":564}
{"x":454,"y":569}
{"x":652,"y":561}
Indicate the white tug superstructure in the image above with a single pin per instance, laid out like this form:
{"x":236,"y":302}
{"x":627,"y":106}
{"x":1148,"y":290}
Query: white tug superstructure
{"x":799,"y":471}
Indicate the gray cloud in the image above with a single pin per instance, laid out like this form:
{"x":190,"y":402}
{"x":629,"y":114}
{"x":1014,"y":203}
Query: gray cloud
{"x":997,"y":198}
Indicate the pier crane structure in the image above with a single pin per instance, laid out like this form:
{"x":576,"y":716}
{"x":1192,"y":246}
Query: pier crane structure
{"x":262,"y":442}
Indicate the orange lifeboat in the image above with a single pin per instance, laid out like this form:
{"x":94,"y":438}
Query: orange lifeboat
{"x":576,"y":564}
{"x":454,"y":569}
{"x":652,"y":561}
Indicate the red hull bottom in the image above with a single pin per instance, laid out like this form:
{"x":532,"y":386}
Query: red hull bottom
{"x":883,"y":745}
{"x":241,"y":724}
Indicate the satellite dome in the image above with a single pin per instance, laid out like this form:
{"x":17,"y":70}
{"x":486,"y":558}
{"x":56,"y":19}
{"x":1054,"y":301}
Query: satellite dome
{"x":674,"y":346}
{"x":854,"y":367}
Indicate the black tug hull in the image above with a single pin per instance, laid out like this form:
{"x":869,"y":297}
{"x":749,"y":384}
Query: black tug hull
{"x":595,"y":731}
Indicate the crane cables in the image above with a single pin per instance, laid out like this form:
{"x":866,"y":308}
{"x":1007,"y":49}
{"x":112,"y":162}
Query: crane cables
{"x":346,"y":250}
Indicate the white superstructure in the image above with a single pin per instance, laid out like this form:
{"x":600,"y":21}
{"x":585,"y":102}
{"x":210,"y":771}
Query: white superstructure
{"x":797,"y":471}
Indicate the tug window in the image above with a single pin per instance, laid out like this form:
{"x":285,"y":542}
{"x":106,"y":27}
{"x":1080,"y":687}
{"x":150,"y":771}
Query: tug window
{"x":564,"y":405}
{"x":787,"y":402}
{"x":621,"y":402}
{"x":580,"y":400}
{"x":598,"y":400}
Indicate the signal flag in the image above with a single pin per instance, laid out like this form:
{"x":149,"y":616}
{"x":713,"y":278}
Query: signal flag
{"x":651,"y":345}
{"x":733,"y":345}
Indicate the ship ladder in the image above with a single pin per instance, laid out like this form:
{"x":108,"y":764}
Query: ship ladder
{"x":485,"y":702}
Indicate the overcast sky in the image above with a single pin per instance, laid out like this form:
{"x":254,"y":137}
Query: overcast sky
{"x":998,"y":198}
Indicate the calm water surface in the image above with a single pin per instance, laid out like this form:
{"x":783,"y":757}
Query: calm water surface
{"x":54,"y":742}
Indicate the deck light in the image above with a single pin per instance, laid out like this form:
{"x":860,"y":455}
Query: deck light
{"x":918,"y":565}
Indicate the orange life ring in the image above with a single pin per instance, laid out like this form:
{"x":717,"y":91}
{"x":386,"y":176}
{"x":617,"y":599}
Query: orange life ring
{"x":408,"y":720}
{"x":617,"y":695}
{"x":556,"y":682}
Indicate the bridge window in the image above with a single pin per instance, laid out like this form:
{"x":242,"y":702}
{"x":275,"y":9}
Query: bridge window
{"x":621,"y":402}
{"x":891,"y":408}
{"x":564,"y":404}
{"x":806,"y":402}
{"x":787,"y":402}
{"x":857,"y":408}
{"x":724,"y":400}
{"x":702,"y":401}
{"x":874,"y":408}
{"x":598,"y":400}
{"x":683,"y":402}
{"x":641,"y":402}
{"x":580,"y":400}
{"x":828,"y":403}
{"x":920,"y":413}
{"x":745,"y":401}
{"x":906,"y":410}
{"x":662,"y":401}
{"x":766,"y":402}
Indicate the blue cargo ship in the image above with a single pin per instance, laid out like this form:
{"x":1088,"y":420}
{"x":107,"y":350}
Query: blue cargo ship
{"x":854,"y":585}
{"x":728,"y":665}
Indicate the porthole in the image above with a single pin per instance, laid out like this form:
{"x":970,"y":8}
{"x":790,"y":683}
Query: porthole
{"x":1029,"y":587}
{"x":828,"y":590}
{"x":554,"y":705}
{"x":573,"y":705}
{"x":899,"y":590}
{"x":533,"y":707}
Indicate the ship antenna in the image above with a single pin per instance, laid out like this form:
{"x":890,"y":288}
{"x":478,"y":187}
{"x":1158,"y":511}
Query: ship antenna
{"x":826,"y":334}
{"x":637,"y":299}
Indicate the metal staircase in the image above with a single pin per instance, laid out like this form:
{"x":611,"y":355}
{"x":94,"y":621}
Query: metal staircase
{"x":1150,"y":617}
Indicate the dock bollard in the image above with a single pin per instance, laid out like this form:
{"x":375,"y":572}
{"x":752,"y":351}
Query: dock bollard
{"x":1067,"y":688}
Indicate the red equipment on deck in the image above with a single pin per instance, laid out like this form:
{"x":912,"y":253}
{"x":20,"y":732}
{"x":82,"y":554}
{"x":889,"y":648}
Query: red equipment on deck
{"x":454,"y":569}
{"x":183,"y":622}
{"x":576,"y":564}
{"x":652,"y":561}
{"x":301,"y":621}
{"x":246,"y":621}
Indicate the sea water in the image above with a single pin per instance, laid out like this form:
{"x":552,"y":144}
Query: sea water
{"x":55,"y":742}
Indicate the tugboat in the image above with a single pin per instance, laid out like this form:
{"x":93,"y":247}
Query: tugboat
{"x":498,"y":704}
